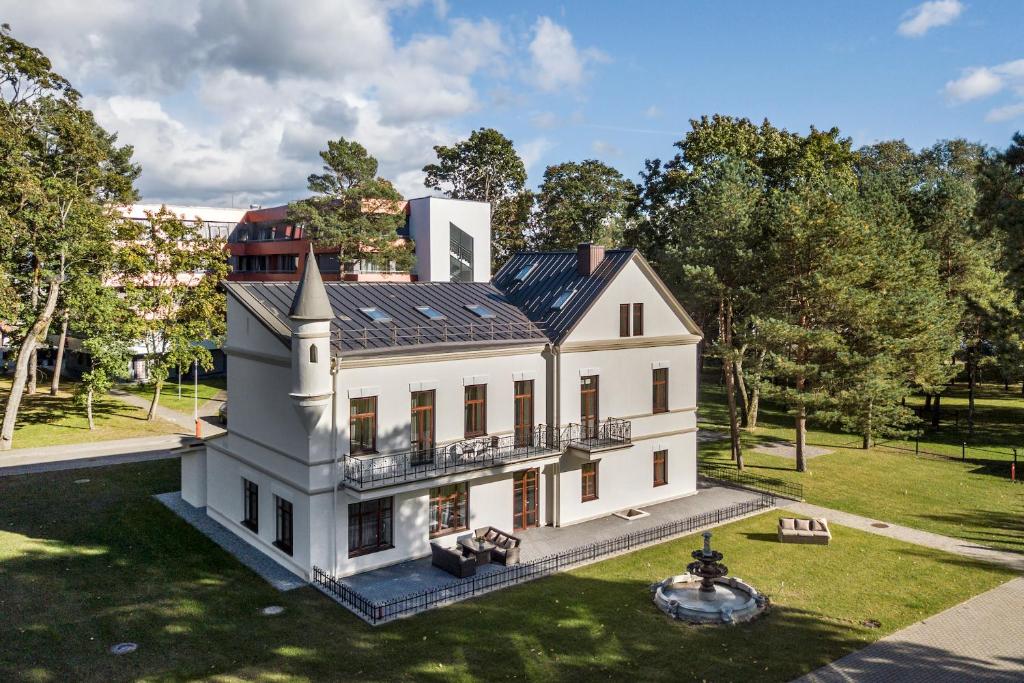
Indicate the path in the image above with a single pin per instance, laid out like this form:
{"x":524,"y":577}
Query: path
{"x":94,"y":454}
{"x":207,"y":412}
{"x":916,"y":536}
{"x":981,"y":639}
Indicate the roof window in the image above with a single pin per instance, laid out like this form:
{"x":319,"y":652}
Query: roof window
{"x":524,"y":272}
{"x":431,"y":313}
{"x":481,"y":311}
{"x":376,"y":315}
{"x":563,"y":298}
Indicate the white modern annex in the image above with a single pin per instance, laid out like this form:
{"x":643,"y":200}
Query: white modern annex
{"x":371,"y":419}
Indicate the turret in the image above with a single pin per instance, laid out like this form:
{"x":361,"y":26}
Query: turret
{"x":311,"y":316}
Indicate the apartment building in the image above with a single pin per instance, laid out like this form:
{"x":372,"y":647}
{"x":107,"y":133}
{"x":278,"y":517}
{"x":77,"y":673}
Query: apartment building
{"x":371,"y":419}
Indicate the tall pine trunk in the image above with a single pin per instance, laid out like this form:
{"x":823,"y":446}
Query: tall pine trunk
{"x":156,"y":400}
{"x":741,"y":389}
{"x":33,"y":359}
{"x":725,"y":335}
{"x":867,"y":427}
{"x":59,"y":362}
{"x":27,"y":351}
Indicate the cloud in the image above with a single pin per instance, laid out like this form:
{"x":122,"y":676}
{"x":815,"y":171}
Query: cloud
{"x":1005,"y":113}
{"x":653,"y":112}
{"x":532,"y":151}
{"x":544,"y":119}
{"x":605,"y":148}
{"x":557,"y":63}
{"x":975,"y":83}
{"x":928,"y":15}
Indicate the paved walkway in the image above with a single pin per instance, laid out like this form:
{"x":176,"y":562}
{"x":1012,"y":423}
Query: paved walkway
{"x":95,"y":454}
{"x":207,"y":411}
{"x":916,"y":536}
{"x":981,"y":639}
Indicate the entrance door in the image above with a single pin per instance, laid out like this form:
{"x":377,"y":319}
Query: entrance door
{"x":523,"y":413}
{"x":422,"y":426}
{"x":589,"y":406}
{"x":524,"y":499}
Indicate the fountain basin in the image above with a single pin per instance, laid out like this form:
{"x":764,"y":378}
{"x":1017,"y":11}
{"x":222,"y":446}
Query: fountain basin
{"x":732,"y":601}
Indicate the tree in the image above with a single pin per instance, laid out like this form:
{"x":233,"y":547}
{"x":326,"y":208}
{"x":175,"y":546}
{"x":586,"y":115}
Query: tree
{"x":171,"y":279}
{"x":61,"y":176}
{"x":579,"y":202}
{"x":353,"y":210}
{"x":486,"y":168}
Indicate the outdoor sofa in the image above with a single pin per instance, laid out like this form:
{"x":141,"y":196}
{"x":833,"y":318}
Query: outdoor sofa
{"x":452,"y":561}
{"x":793,"y":530}
{"x":506,"y":546}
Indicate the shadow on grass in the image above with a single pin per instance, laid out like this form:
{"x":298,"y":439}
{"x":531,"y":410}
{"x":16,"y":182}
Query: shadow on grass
{"x":773,"y":538}
{"x":987,"y":527}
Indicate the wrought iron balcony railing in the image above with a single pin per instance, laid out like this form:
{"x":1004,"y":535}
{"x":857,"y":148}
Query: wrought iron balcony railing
{"x":364,"y":472}
{"x":597,"y":435}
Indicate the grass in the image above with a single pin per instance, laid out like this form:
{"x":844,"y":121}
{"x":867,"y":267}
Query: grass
{"x":971,"y":499}
{"x":86,"y":565}
{"x":208,"y":388}
{"x":45,"y":420}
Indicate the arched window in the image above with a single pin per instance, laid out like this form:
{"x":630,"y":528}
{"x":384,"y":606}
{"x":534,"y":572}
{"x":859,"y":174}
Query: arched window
{"x":312,"y":353}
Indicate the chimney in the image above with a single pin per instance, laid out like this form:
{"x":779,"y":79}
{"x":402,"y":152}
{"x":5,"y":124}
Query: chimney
{"x":588,"y":257}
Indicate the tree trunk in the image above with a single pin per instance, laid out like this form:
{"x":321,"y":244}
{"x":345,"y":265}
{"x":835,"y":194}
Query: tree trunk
{"x":927,"y":401}
{"x":28,"y":347}
{"x":33,"y":359}
{"x":725,"y":335}
{"x":867,"y":428}
{"x":59,"y":362}
{"x":936,"y":411}
{"x":801,"y":438}
{"x":88,"y":410}
{"x":971,"y":382}
{"x":755,"y":401}
{"x":156,"y":400}
{"x":741,"y":388}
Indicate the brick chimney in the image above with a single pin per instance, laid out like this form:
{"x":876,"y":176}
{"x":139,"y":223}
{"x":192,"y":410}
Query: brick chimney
{"x":588,"y":257}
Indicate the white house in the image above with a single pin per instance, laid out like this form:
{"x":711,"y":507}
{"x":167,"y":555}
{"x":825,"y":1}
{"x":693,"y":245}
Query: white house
{"x":370,"y":419}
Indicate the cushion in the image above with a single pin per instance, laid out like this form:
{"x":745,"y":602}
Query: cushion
{"x":805,"y":534}
{"x":500,"y":540}
{"x":786,"y":523}
{"x":491,"y":535}
{"x":816,"y":525}
{"x":803,"y":525}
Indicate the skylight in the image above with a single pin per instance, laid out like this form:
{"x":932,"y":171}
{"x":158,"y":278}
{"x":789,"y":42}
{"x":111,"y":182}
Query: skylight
{"x":563,"y":298}
{"x":524,"y":272}
{"x":376,"y":315}
{"x":481,"y":311}
{"x":431,"y":313}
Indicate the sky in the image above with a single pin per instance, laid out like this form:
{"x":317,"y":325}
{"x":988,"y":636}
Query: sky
{"x":227,"y":102}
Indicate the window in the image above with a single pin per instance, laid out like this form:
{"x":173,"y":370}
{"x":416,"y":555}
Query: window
{"x":523,"y":418}
{"x":312,"y":353}
{"x":250,"y":506}
{"x":376,"y":315}
{"x":283,"y":537}
{"x":524,"y":272}
{"x":449,"y":509}
{"x":422,"y":421}
{"x":328,"y":263}
{"x":460,"y":254}
{"x":480,"y":311}
{"x":476,"y":410}
{"x":362,"y":425}
{"x":589,"y":483}
{"x":370,"y":526}
{"x":660,"y":390}
{"x":660,"y":468}
{"x":430,"y":313}
{"x":638,"y":320}
{"x":563,"y":298}
{"x":623,"y":320}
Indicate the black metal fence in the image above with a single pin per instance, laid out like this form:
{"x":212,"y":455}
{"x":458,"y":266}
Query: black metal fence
{"x":611,"y":431}
{"x":749,"y":480}
{"x":373,"y":471}
{"x":378,"y":612}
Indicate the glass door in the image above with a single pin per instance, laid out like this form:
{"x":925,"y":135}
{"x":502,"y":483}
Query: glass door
{"x":525,"y":499}
{"x":589,"y":406}
{"x":523,"y":413}
{"x":422,"y":427}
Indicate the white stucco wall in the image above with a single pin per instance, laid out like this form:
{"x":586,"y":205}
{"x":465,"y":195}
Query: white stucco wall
{"x":429,"y":219}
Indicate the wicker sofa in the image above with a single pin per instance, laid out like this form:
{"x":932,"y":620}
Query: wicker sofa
{"x":452,"y":561}
{"x":506,"y":546}
{"x":793,"y":530}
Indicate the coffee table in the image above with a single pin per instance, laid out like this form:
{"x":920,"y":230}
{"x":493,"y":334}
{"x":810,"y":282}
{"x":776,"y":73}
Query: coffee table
{"x":479,"y":548}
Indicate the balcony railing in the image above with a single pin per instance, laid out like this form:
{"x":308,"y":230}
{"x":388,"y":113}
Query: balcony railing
{"x":433,"y":333}
{"x":364,"y":472}
{"x":598,"y":435}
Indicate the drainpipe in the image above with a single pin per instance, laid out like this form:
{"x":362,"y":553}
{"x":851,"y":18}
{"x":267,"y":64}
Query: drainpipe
{"x":334,"y":466}
{"x":556,"y":357}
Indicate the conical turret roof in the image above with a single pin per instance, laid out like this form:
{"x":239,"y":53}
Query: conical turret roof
{"x":310,"y":302}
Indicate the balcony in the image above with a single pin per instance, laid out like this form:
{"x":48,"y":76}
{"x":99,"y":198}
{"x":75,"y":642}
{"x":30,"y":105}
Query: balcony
{"x":598,"y":436}
{"x":366,"y":472}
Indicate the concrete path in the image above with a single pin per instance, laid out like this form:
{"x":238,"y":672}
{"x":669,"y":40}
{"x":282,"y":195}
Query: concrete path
{"x":95,"y":454}
{"x":916,"y":536}
{"x":981,"y":639}
{"x":207,"y":412}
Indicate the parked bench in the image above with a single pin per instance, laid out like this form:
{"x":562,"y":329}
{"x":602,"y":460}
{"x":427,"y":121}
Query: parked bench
{"x":506,"y":546}
{"x":792,"y":530}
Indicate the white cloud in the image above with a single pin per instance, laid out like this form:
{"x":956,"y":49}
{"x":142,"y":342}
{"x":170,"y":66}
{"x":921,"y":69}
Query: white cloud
{"x":928,"y":15}
{"x":605,"y":148}
{"x":975,"y":83}
{"x":557,"y":63}
{"x":544,"y":119}
{"x":1005,"y":113}
{"x":533,"y":150}
{"x":653,"y":112}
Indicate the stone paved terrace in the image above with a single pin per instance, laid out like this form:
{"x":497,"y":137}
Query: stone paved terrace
{"x":418,"y":575}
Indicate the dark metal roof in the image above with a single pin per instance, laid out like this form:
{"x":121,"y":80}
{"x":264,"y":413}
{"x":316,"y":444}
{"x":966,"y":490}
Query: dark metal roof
{"x":352,"y":331}
{"x":554,"y":273}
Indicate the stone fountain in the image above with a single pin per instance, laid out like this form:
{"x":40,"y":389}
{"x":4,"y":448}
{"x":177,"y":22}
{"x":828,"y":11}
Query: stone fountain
{"x":704,"y":595}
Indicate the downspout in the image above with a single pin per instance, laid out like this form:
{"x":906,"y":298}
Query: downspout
{"x":557,"y":413}
{"x":334,"y":466}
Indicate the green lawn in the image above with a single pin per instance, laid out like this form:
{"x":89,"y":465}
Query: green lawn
{"x":973,"y":500}
{"x":45,"y":420}
{"x":87,"y":565}
{"x":208,"y":388}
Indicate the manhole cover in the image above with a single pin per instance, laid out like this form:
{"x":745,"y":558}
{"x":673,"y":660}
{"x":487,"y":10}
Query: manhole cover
{"x":271,"y":611}
{"x":81,"y":481}
{"x":123,"y":648}
{"x":879,"y":525}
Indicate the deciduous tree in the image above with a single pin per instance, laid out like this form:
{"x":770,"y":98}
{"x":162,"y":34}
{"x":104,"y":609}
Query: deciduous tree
{"x":585,"y":201}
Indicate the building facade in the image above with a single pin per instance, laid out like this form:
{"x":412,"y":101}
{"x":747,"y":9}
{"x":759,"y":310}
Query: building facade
{"x":371,"y":419}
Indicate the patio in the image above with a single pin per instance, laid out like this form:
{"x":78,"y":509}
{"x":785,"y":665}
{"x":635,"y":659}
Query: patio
{"x":417,"y":576}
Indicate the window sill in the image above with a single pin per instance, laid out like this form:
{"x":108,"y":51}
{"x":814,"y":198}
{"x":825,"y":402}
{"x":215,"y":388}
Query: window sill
{"x":448,"y":532}
{"x":286,"y":549}
{"x":251,"y":526}
{"x":369,"y":551}
{"x":660,"y":483}
{"x":587,"y":500}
